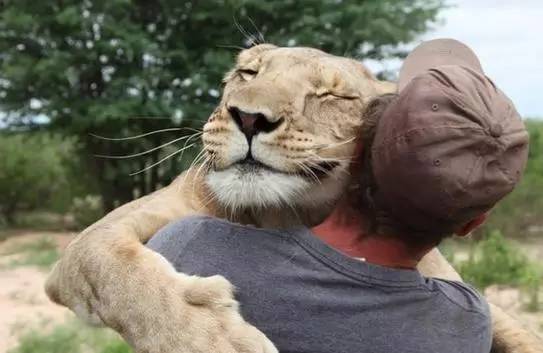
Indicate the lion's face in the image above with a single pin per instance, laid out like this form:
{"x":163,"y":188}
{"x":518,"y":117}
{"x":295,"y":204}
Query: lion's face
{"x":284,"y":131}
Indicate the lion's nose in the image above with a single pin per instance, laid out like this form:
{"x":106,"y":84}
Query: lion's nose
{"x":252,"y":124}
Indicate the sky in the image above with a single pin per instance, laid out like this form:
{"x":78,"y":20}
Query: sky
{"x":508,"y":38}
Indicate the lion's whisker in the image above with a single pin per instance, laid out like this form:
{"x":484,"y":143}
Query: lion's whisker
{"x":195,"y":161}
{"x":204,"y":164}
{"x":199,"y":157}
{"x":148,"y":151}
{"x":207,"y":200}
{"x":332,"y":145}
{"x":237,"y":47}
{"x":163,"y":159}
{"x":311,"y":152}
{"x":249,"y":37}
{"x":163,"y":118}
{"x":142,"y":135}
{"x":261,"y":39}
{"x":308,"y":171}
{"x":315,"y":165}
{"x":311,"y":173}
{"x":329,"y":159}
{"x":314,"y":155}
{"x":187,"y":141}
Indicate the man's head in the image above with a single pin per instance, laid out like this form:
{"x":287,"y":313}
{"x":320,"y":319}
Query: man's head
{"x":444,"y":150}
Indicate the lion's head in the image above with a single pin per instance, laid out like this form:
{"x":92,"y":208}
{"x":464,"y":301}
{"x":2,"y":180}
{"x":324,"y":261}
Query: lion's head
{"x":284,"y":131}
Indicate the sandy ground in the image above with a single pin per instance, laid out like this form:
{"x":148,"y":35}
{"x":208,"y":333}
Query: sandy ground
{"x":23,"y":302}
{"x":511,"y":299}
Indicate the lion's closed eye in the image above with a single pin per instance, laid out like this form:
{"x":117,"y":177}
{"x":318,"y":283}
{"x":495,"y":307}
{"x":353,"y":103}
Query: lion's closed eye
{"x":339,"y":95}
{"x":247,"y":74}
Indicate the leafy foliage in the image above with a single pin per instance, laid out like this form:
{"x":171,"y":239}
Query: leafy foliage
{"x":124,"y":67}
{"x":72,"y":337}
{"x":41,"y":253}
{"x":32,"y":169}
{"x":494,"y":260}
{"x":86,"y":210}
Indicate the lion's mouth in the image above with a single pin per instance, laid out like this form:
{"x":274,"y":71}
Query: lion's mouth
{"x":319,"y":171}
{"x":249,"y":164}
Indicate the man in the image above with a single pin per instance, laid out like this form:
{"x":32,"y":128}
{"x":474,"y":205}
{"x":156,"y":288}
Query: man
{"x":435,"y":159}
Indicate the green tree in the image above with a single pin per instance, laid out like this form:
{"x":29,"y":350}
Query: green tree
{"x":95,"y":66}
{"x":32,"y":169}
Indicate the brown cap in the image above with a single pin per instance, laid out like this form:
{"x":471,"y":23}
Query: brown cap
{"x":450,"y":146}
{"x":434,"y":53}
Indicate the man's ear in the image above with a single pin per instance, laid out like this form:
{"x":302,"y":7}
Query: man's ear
{"x":471,"y":225}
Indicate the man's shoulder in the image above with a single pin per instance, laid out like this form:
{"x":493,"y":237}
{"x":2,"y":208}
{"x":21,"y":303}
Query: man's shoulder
{"x":460,"y":311}
{"x":461,"y":295}
{"x":193,"y":223}
{"x":201,"y":231}
{"x":173,"y":238}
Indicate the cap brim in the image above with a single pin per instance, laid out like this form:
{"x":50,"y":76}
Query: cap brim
{"x":434,"y":53}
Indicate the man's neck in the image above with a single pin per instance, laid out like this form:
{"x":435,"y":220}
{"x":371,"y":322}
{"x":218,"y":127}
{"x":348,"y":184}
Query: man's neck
{"x":343,"y":230}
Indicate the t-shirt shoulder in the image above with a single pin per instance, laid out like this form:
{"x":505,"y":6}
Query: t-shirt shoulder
{"x":174,"y":237}
{"x":461,"y":294}
{"x":472,"y":313}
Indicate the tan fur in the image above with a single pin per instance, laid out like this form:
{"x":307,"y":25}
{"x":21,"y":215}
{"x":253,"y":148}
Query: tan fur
{"x":108,"y":277}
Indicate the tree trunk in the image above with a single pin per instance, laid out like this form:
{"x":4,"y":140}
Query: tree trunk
{"x":9,"y":214}
{"x":154,"y":171}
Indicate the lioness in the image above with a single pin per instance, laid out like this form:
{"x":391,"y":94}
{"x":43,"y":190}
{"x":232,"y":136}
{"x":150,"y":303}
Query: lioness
{"x":277,"y":151}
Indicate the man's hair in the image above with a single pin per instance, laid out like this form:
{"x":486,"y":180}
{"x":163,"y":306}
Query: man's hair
{"x":377,"y":221}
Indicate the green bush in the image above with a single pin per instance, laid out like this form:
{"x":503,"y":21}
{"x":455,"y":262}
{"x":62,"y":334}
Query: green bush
{"x":42,"y":220}
{"x":41,"y":253}
{"x":86,"y":210}
{"x":31,"y":171}
{"x":73,"y":337}
{"x":494,"y":260}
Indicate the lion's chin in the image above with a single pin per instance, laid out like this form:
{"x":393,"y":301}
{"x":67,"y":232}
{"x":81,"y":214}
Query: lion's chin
{"x":240,"y":188}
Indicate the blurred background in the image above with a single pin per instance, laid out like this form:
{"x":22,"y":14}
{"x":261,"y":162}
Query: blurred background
{"x":78,"y":77}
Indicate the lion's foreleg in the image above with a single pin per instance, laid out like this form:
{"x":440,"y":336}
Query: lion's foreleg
{"x":107,"y":276}
{"x":435,"y":265}
{"x":510,"y":336}
{"x":97,"y":260}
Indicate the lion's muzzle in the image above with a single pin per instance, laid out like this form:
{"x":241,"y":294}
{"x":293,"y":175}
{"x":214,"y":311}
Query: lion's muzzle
{"x":252,"y":124}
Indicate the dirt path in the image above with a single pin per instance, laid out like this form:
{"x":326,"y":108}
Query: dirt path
{"x":23,"y":302}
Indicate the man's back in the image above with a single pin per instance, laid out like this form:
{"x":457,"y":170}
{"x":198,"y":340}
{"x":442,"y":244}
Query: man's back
{"x":307,"y":297}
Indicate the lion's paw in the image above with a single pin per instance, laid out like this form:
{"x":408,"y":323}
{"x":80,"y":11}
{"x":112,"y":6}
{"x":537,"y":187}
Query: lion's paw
{"x":248,"y":339}
{"x":59,"y":288}
{"x":91,"y":318}
{"x":214,"y":290}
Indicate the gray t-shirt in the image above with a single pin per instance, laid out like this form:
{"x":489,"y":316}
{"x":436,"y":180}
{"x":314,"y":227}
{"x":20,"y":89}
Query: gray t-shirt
{"x":309,"y":298}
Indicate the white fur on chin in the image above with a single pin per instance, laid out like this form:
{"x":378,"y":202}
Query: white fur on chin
{"x":236,"y":188}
